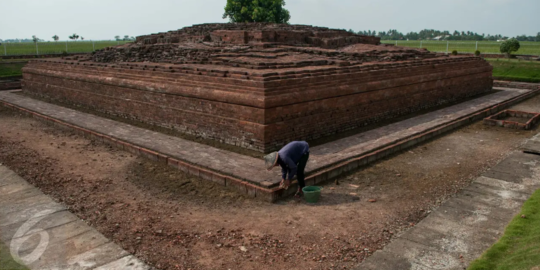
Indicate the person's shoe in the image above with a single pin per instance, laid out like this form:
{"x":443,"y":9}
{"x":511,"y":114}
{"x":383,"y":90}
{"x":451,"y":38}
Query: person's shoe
{"x":299,"y":194}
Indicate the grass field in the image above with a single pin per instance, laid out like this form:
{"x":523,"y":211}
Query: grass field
{"x":11,"y":69}
{"x":519,"y":247}
{"x":30,"y":48}
{"x":527,"y":47}
{"x":516,"y":70}
{"x":6,"y":261}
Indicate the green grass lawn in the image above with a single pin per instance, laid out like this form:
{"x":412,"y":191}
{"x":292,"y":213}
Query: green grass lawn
{"x":6,"y":261}
{"x":527,"y":47}
{"x":519,"y":247}
{"x":30,"y":48}
{"x":516,"y":70}
{"x":11,"y":69}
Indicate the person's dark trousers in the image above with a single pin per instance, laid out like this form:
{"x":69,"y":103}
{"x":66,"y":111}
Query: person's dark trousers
{"x":300,"y":172}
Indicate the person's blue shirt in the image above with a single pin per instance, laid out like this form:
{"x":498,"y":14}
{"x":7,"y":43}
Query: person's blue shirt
{"x":289,"y":156}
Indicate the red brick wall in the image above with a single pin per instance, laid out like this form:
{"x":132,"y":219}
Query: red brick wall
{"x":263,"y":34}
{"x":233,"y":37}
{"x":320,"y":39}
{"x":260,"y":111}
{"x":324,"y":105}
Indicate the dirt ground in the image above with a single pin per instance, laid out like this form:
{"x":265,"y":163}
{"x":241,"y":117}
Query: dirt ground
{"x":175,"y":221}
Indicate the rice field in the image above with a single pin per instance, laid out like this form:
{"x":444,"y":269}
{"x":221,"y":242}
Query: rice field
{"x":59,"y":47}
{"x":527,"y":47}
{"x":55,"y":47}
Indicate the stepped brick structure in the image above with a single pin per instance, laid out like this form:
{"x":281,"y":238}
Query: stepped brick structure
{"x":258,"y":86}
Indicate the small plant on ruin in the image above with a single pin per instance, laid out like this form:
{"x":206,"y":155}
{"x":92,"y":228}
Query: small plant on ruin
{"x":454,"y":52}
{"x":477,"y":53}
{"x":509,"y":46}
{"x":256,"y":11}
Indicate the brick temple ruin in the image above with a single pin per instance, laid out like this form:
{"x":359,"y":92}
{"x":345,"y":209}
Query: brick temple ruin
{"x":258,"y":86}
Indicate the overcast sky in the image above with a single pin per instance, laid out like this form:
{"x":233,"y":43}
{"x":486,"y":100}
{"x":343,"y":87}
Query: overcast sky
{"x":104,"y":19}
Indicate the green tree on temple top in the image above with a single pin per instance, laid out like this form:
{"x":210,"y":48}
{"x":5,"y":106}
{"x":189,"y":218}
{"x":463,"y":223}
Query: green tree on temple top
{"x":256,"y":11}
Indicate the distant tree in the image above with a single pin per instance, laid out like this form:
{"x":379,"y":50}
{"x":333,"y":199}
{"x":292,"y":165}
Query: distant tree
{"x":117,"y":38}
{"x":412,"y":36}
{"x":82,"y":38}
{"x":126,"y":38}
{"x":538,"y":36}
{"x":256,"y":11}
{"x":509,"y":46}
{"x":526,"y":38}
{"x":74,"y":37}
{"x":55,"y":38}
{"x":35,"y":39}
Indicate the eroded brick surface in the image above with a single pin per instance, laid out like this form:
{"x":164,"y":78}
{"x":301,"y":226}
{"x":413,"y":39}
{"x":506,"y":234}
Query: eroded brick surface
{"x":258,"y":86}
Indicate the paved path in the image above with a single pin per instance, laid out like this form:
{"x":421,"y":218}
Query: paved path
{"x":463,"y":227}
{"x":251,"y":169}
{"x":359,"y":144}
{"x":44,"y":235}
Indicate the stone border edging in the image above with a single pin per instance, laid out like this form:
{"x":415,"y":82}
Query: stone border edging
{"x":204,"y":173}
{"x":273,"y":194}
{"x":9,"y":85}
{"x":376,"y":154}
{"x":498,"y":120}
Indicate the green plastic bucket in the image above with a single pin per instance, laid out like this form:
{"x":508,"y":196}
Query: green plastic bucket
{"x":312,"y":194}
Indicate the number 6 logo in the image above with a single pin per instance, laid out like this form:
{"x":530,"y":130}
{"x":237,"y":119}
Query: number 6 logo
{"x":24,"y":233}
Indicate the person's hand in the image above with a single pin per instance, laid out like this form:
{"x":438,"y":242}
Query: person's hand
{"x":285,"y":184}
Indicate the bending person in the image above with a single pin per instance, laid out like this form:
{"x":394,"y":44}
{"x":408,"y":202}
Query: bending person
{"x":292,"y":158}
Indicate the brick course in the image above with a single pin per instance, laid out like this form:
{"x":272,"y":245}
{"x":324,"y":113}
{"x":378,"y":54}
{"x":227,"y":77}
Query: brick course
{"x":259,"y":98}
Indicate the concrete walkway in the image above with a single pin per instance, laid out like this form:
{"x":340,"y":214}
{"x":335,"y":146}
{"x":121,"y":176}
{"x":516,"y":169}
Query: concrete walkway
{"x":42,"y":234}
{"x":463,"y":227}
{"x":245,"y":173}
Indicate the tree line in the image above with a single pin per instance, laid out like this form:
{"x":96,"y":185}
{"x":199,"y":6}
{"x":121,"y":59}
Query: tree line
{"x":73,"y":37}
{"x":430,"y":34}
